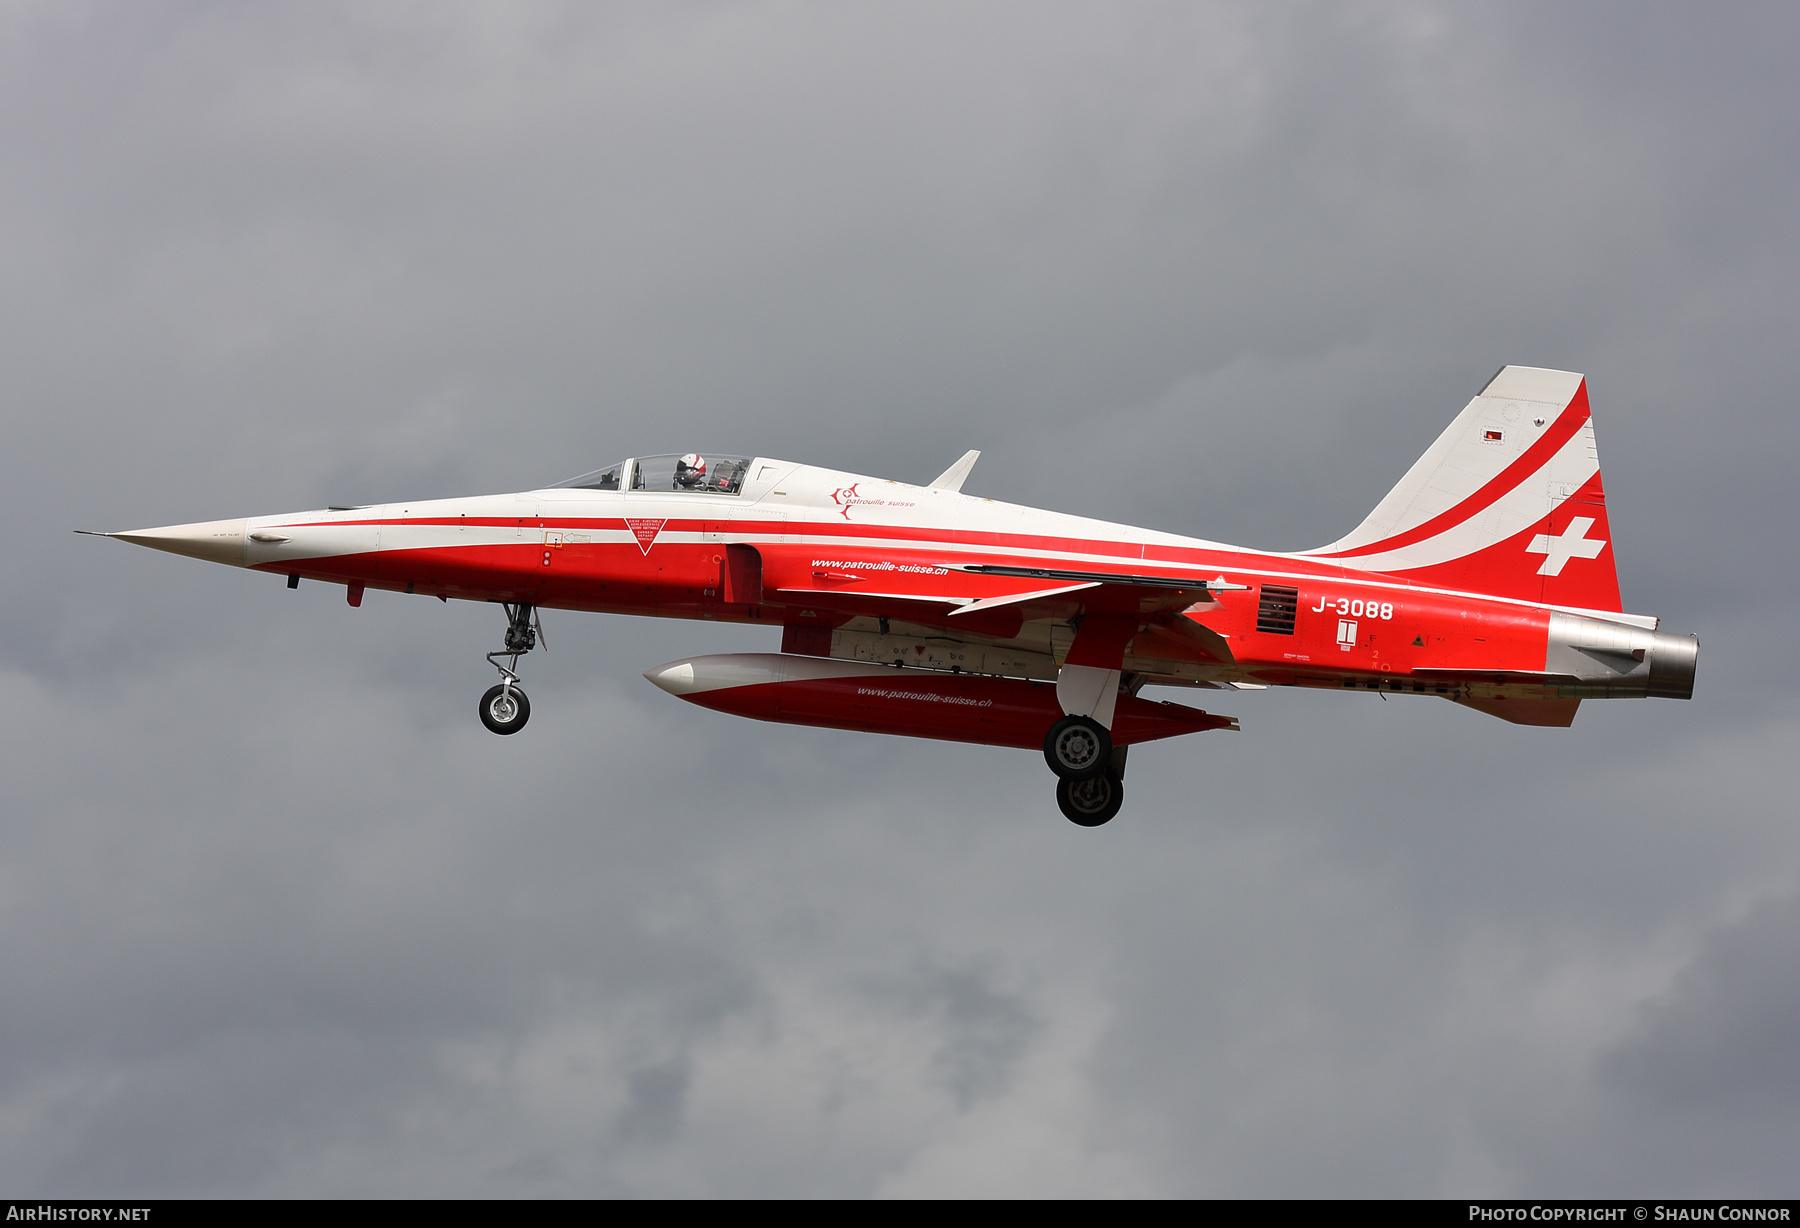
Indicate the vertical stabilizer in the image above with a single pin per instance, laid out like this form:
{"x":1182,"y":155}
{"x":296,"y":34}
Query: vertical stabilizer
{"x":1507,"y":502}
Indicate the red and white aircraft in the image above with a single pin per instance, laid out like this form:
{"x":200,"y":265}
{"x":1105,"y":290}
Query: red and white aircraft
{"x":1486,"y":577}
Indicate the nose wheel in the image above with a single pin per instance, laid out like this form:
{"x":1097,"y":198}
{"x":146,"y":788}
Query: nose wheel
{"x":504,"y":708}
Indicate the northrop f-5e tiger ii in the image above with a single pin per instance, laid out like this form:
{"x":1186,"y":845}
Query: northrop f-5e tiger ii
{"x":1485,"y":577}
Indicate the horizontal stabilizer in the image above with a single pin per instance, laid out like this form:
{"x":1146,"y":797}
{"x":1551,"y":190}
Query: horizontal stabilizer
{"x":1556,"y":713}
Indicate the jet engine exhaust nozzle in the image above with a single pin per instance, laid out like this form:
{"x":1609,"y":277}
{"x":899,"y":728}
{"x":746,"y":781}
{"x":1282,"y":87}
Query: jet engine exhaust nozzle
{"x":1601,"y":659}
{"x":1672,"y":663}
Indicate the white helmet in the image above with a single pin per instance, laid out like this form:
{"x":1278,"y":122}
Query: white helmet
{"x":694,"y":461}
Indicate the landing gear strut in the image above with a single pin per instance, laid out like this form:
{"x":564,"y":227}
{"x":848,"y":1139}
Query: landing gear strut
{"x":504,"y":708}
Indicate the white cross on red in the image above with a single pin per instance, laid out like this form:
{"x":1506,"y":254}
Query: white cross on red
{"x":1572,"y":542}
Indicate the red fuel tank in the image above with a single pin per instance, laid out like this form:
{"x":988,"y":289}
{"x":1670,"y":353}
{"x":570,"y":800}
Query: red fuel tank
{"x":920,"y":703}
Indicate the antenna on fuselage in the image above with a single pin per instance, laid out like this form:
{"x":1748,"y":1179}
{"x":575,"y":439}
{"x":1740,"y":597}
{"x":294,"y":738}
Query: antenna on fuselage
{"x":953,"y":477}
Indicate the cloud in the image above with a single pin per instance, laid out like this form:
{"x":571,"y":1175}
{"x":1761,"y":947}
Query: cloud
{"x":279,"y":918}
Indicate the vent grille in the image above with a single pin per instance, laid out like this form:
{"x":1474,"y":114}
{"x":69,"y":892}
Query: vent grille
{"x":1275,"y":611}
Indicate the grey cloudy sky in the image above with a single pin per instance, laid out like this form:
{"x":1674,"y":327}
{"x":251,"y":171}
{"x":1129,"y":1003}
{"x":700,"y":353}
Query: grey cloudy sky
{"x":278,"y":917}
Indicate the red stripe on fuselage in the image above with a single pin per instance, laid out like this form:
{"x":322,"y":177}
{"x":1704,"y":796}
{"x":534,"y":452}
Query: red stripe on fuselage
{"x":956,"y":544}
{"x":917,"y":545}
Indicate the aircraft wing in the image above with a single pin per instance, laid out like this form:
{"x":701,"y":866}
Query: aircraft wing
{"x":1178,"y":584}
{"x":931,"y":608}
{"x":974,"y":602}
{"x":1110,"y":592}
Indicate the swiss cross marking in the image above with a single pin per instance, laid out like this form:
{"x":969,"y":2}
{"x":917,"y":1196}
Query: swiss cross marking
{"x":645,"y":531}
{"x":1573,"y":542}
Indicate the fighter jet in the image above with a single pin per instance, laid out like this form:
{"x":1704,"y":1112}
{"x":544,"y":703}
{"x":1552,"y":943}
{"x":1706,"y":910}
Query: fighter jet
{"x":1485,"y":577}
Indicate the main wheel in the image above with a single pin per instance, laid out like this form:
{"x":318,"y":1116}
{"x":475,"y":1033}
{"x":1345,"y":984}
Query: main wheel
{"x":1077,"y":748}
{"x":1091,"y":802}
{"x":504,"y":711}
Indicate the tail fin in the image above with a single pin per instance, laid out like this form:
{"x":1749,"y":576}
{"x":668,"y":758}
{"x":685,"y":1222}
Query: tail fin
{"x":1507,"y":502}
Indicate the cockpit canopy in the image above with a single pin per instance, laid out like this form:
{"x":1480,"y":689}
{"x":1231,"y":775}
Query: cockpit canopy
{"x":599,"y":479}
{"x":683,"y":473}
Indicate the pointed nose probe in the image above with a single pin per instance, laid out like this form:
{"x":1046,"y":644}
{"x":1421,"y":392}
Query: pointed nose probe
{"x":216,"y":541}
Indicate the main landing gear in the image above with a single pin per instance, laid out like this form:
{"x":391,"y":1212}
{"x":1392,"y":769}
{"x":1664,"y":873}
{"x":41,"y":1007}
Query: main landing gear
{"x":1091,"y":802}
{"x":1090,"y":786}
{"x":1077,"y":747}
{"x":504,"y":708}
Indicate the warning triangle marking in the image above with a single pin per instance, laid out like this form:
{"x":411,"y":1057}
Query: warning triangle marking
{"x":645,"y":531}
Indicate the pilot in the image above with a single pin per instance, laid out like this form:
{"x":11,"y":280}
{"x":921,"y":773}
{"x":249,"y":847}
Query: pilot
{"x":690,"y":471}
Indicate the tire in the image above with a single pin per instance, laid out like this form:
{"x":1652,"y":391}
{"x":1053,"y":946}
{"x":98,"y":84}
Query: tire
{"x":1091,"y":802}
{"x":1077,"y":748}
{"x":503,"y":713}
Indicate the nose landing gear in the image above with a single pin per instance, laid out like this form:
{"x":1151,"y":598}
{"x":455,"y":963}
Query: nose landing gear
{"x":504,"y":708}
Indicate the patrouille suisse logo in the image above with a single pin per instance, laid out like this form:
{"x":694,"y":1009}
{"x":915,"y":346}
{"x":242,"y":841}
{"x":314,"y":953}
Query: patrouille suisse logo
{"x":846,"y":498}
{"x":645,"y":531}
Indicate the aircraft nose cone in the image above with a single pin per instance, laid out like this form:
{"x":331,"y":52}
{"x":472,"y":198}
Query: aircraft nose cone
{"x":677,"y":677}
{"x":216,"y":541}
